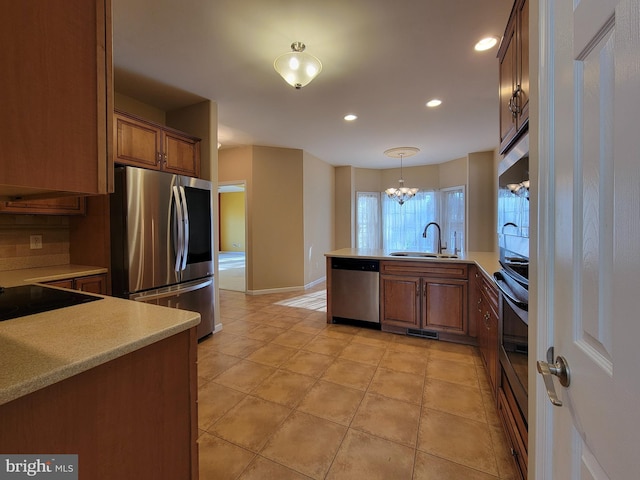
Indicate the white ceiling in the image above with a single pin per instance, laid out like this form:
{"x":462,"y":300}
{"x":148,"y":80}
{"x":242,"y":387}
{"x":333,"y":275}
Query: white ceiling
{"x":382,"y":60}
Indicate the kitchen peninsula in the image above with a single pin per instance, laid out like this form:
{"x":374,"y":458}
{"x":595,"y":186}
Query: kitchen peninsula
{"x":113,"y":381}
{"x":428,"y":296}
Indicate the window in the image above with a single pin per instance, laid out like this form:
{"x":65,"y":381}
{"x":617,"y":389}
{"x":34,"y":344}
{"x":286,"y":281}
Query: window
{"x":453,"y":220}
{"x":368,"y":226}
{"x":383,"y":223}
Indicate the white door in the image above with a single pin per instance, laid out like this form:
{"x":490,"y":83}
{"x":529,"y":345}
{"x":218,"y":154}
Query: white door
{"x":589,"y":230}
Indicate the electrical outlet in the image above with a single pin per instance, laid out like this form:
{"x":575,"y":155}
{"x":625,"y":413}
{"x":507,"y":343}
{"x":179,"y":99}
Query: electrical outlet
{"x":35,"y":242}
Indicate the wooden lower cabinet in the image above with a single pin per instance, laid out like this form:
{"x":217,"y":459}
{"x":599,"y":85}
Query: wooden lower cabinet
{"x":485,"y":311}
{"x":90,"y":283}
{"x":51,"y":206}
{"x":400,"y":301}
{"x":430,"y":297}
{"x":515,"y":426}
{"x":132,"y":417}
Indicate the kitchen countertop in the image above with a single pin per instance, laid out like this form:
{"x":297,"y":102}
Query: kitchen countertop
{"x":42,"y":349}
{"x":487,"y":261}
{"x":14,"y":278}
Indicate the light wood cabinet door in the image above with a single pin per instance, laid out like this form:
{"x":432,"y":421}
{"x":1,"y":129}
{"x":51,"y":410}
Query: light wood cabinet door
{"x":144,"y":144}
{"x":445,"y":305}
{"x":508,"y":82}
{"x":90,"y":284}
{"x":137,"y":143}
{"x":514,"y":75}
{"x":57,"y":97}
{"x":486,"y":315}
{"x":401,"y":302}
{"x":181,"y":154}
{"x":67,"y":283}
{"x":51,"y":206}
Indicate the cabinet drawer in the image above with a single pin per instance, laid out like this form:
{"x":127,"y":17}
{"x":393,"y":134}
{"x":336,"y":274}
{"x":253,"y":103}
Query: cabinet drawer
{"x":435,"y":269}
{"x":514,"y":437}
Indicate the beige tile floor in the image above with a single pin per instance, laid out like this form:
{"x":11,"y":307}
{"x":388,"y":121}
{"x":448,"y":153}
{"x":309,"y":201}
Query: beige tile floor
{"x":283,"y":395}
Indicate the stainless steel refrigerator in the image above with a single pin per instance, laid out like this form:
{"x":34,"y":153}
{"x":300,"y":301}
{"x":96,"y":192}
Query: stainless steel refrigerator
{"x":162,"y":241}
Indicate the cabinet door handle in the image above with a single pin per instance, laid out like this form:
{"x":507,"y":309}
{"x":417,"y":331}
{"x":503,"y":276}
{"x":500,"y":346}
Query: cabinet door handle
{"x":514,"y":108}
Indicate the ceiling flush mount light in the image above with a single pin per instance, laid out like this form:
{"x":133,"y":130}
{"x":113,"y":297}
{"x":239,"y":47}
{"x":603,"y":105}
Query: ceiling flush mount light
{"x":350,"y":117}
{"x":297,"y":67}
{"x":434,"y":103}
{"x":402,"y":193}
{"x":486,"y":43}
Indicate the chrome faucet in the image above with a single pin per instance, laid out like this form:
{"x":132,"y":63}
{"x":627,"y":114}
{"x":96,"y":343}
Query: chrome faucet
{"x":424,"y":235}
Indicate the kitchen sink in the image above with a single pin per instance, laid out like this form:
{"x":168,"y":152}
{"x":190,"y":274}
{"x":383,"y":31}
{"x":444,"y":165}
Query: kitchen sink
{"x":422,"y":255}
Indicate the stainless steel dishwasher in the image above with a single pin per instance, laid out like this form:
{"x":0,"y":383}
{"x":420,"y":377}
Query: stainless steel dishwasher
{"x":355,"y":289}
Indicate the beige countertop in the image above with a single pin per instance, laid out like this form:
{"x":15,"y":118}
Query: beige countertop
{"x":39,"y":350}
{"x":487,"y":261}
{"x":13,"y":278}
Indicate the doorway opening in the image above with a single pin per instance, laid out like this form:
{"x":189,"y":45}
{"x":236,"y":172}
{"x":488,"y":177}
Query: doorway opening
{"x":232,"y":236}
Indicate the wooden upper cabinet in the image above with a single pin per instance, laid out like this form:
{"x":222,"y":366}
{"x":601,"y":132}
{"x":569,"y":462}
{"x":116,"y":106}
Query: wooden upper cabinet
{"x":514,"y":76}
{"x":57,"y":98}
{"x":137,"y":142}
{"x":145,"y":144}
{"x":181,"y":154}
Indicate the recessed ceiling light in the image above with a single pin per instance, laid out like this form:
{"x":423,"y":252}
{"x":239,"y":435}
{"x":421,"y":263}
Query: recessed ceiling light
{"x":434,"y":103}
{"x":350,"y":118}
{"x":486,"y":44}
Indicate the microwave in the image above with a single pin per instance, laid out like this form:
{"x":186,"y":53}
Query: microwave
{"x":513,"y":205}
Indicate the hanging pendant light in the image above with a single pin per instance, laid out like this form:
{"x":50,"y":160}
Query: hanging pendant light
{"x":297,"y":67}
{"x":402,"y":193}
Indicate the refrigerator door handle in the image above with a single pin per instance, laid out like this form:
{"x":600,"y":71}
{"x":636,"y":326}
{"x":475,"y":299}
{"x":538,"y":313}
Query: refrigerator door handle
{"x":179,"y":229}
{"x":185,"y":227}
{"x":171,"y":291}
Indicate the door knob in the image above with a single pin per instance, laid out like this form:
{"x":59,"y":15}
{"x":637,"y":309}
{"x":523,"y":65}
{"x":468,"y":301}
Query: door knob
{"x":561,"y":370}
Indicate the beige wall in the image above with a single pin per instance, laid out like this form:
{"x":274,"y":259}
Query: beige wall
{"x":344,"y":208}
{"x":425,"y":177}
{"x":479,"y":180}
{"x":136,"y":107}
{"x":290,"y":197}
{"x":453,"y":173}
{"x":232,"y":222}
{"x":277,"y":239}
{"x":319,"y":200}
{"x":367,"y":180}
{"x":481,"y":203}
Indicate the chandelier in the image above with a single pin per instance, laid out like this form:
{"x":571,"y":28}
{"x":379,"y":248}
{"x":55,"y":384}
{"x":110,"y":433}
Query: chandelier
{"x":297,"y":67}
{"x":402,"y":193}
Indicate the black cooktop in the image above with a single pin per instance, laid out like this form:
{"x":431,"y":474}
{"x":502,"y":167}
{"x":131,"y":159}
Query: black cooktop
{"x":29,"y":299}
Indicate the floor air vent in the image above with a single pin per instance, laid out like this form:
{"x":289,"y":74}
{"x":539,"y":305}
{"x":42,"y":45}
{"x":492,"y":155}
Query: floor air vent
{"x":422,"y":333}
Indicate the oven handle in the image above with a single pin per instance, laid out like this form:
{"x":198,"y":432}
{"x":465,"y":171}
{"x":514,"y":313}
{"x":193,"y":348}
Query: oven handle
{"x":507,"y":293}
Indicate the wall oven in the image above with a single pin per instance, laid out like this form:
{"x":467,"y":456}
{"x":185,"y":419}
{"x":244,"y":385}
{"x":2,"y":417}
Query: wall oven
{"x":513,"y":279}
